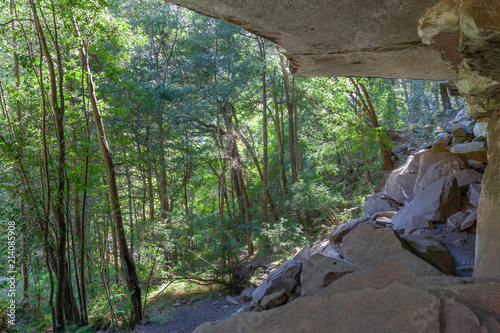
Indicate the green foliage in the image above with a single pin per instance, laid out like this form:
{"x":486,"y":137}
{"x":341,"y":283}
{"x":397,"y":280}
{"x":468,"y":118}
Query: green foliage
{"x":172,"y":86}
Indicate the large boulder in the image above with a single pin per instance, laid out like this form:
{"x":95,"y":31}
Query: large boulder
{"x":343,"y":229}
{"x":379,"y":203}
{"x":440,"y":169}
{"x":436,"y":202}
{"x":406,"y":184}
{"x":286,"y":277}
{"x":432,"y":251}
{"x":366,"y":246}
{"x":471,"y":150}
{"x":316,"y":268}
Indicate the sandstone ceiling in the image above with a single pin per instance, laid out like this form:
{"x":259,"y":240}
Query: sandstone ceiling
{"x":370,"y":38}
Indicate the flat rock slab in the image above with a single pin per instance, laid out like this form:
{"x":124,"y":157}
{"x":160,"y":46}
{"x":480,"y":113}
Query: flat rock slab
{"x":366,"y":246}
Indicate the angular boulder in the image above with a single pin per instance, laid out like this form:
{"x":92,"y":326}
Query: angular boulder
{"x":274,"y":300}
{"x":316,"y":268}
{"x":431,"y":250}
{"x":467,"y":177}
{"x":474,"y":193}
{"x":301,"y":253}
{"x":471,"y":150}
{"x":456,"y":220}
{"x":469,"y":221}
{"x":436,"y":202}
{"x":366,"y":246}
{"x":287,"y":277}
{"x":379,"y":203}
{"x":343,"y":229}
{"x":440,"y":169}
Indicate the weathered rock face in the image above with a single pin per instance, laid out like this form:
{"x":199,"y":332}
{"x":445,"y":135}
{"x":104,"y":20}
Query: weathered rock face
{"x":375,"y":38}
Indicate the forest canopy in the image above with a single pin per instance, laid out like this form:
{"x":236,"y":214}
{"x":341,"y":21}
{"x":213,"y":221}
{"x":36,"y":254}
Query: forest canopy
{"x":142,"y":144}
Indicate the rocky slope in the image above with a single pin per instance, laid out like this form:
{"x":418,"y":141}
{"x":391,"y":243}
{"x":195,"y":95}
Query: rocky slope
{"x":401,"y":267}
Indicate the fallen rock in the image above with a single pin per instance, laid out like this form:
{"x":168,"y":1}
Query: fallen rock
{"x":330,"y":252}
{"x":456,"y":220}
{"x":477,"y":165}
{"x":391,"y":188}
{"x":388,"y":214}
{"x":343,"y":229}
{"x":474,"y":193}
{"x":471,"y":150}
{"x":231,"y":300}
{"x":383,"y":221}
{"x":442,"y":142}
{"x":438,"y":170}
{"x":314,"y":270}
{"x":302,"y":253}
{"x":246,"y":295}
{"x":469,"y":221}
{"x":406,"y":184}
{"x":367,"y":247}
{"x":379,"y":203}
{"x":331,"y":277}
{"x":431,"y":250}
{"x":436,"y":202}
{"x":458,"y":133}
{"x":274,"y":300}
{"x":467,"y":177}
{"x":286,"y":277}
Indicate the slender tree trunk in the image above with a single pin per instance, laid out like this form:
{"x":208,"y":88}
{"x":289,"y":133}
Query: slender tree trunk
{"x":58,"y":108}
{"x":364,"y":98}
{"x":232,"y":148}
{"x":150,"y":174}
{"x":265,"y":190}
{"x":131,"y":278}
{"x":445,"y":98}
{"x":163,"y":174}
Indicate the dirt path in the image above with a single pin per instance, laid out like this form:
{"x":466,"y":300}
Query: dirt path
{"x":186,"y":318}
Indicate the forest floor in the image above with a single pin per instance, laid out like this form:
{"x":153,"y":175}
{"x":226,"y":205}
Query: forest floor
{"x":186,"y":318}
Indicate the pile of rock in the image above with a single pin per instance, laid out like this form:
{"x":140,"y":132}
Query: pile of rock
{"x":390,"y":266}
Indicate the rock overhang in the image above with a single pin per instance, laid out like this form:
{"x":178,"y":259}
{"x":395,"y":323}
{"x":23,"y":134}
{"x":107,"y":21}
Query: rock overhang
{"x":370,"y":38}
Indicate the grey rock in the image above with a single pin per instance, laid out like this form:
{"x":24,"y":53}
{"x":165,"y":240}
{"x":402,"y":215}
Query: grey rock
{"x":286,"y":277}
{"x":469,"y":220}
{"x":275,"y":299}
{"x":456,"y":220}
{"x":314,"y":270}
{"x":343,"y":229}
{"x":366,"y":246}
{"x":474,"y":193}
{"x":436,"y":202}
{"x":431,"y":250}
{"x":379,"y":203}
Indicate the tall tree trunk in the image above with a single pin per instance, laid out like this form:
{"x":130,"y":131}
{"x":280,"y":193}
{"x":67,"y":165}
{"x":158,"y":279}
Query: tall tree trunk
{"x":265,"y":190}
{"x":364,"y":98}
{"x":291,"y":116}
{"x":150,"y":174}
{"x":279,"y":140}
{"x":232,"y":148}
{"x":131,"y":278}
{"x":445,"y":98}
{"x":58,"y":108}
{"x":163,"y":173}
